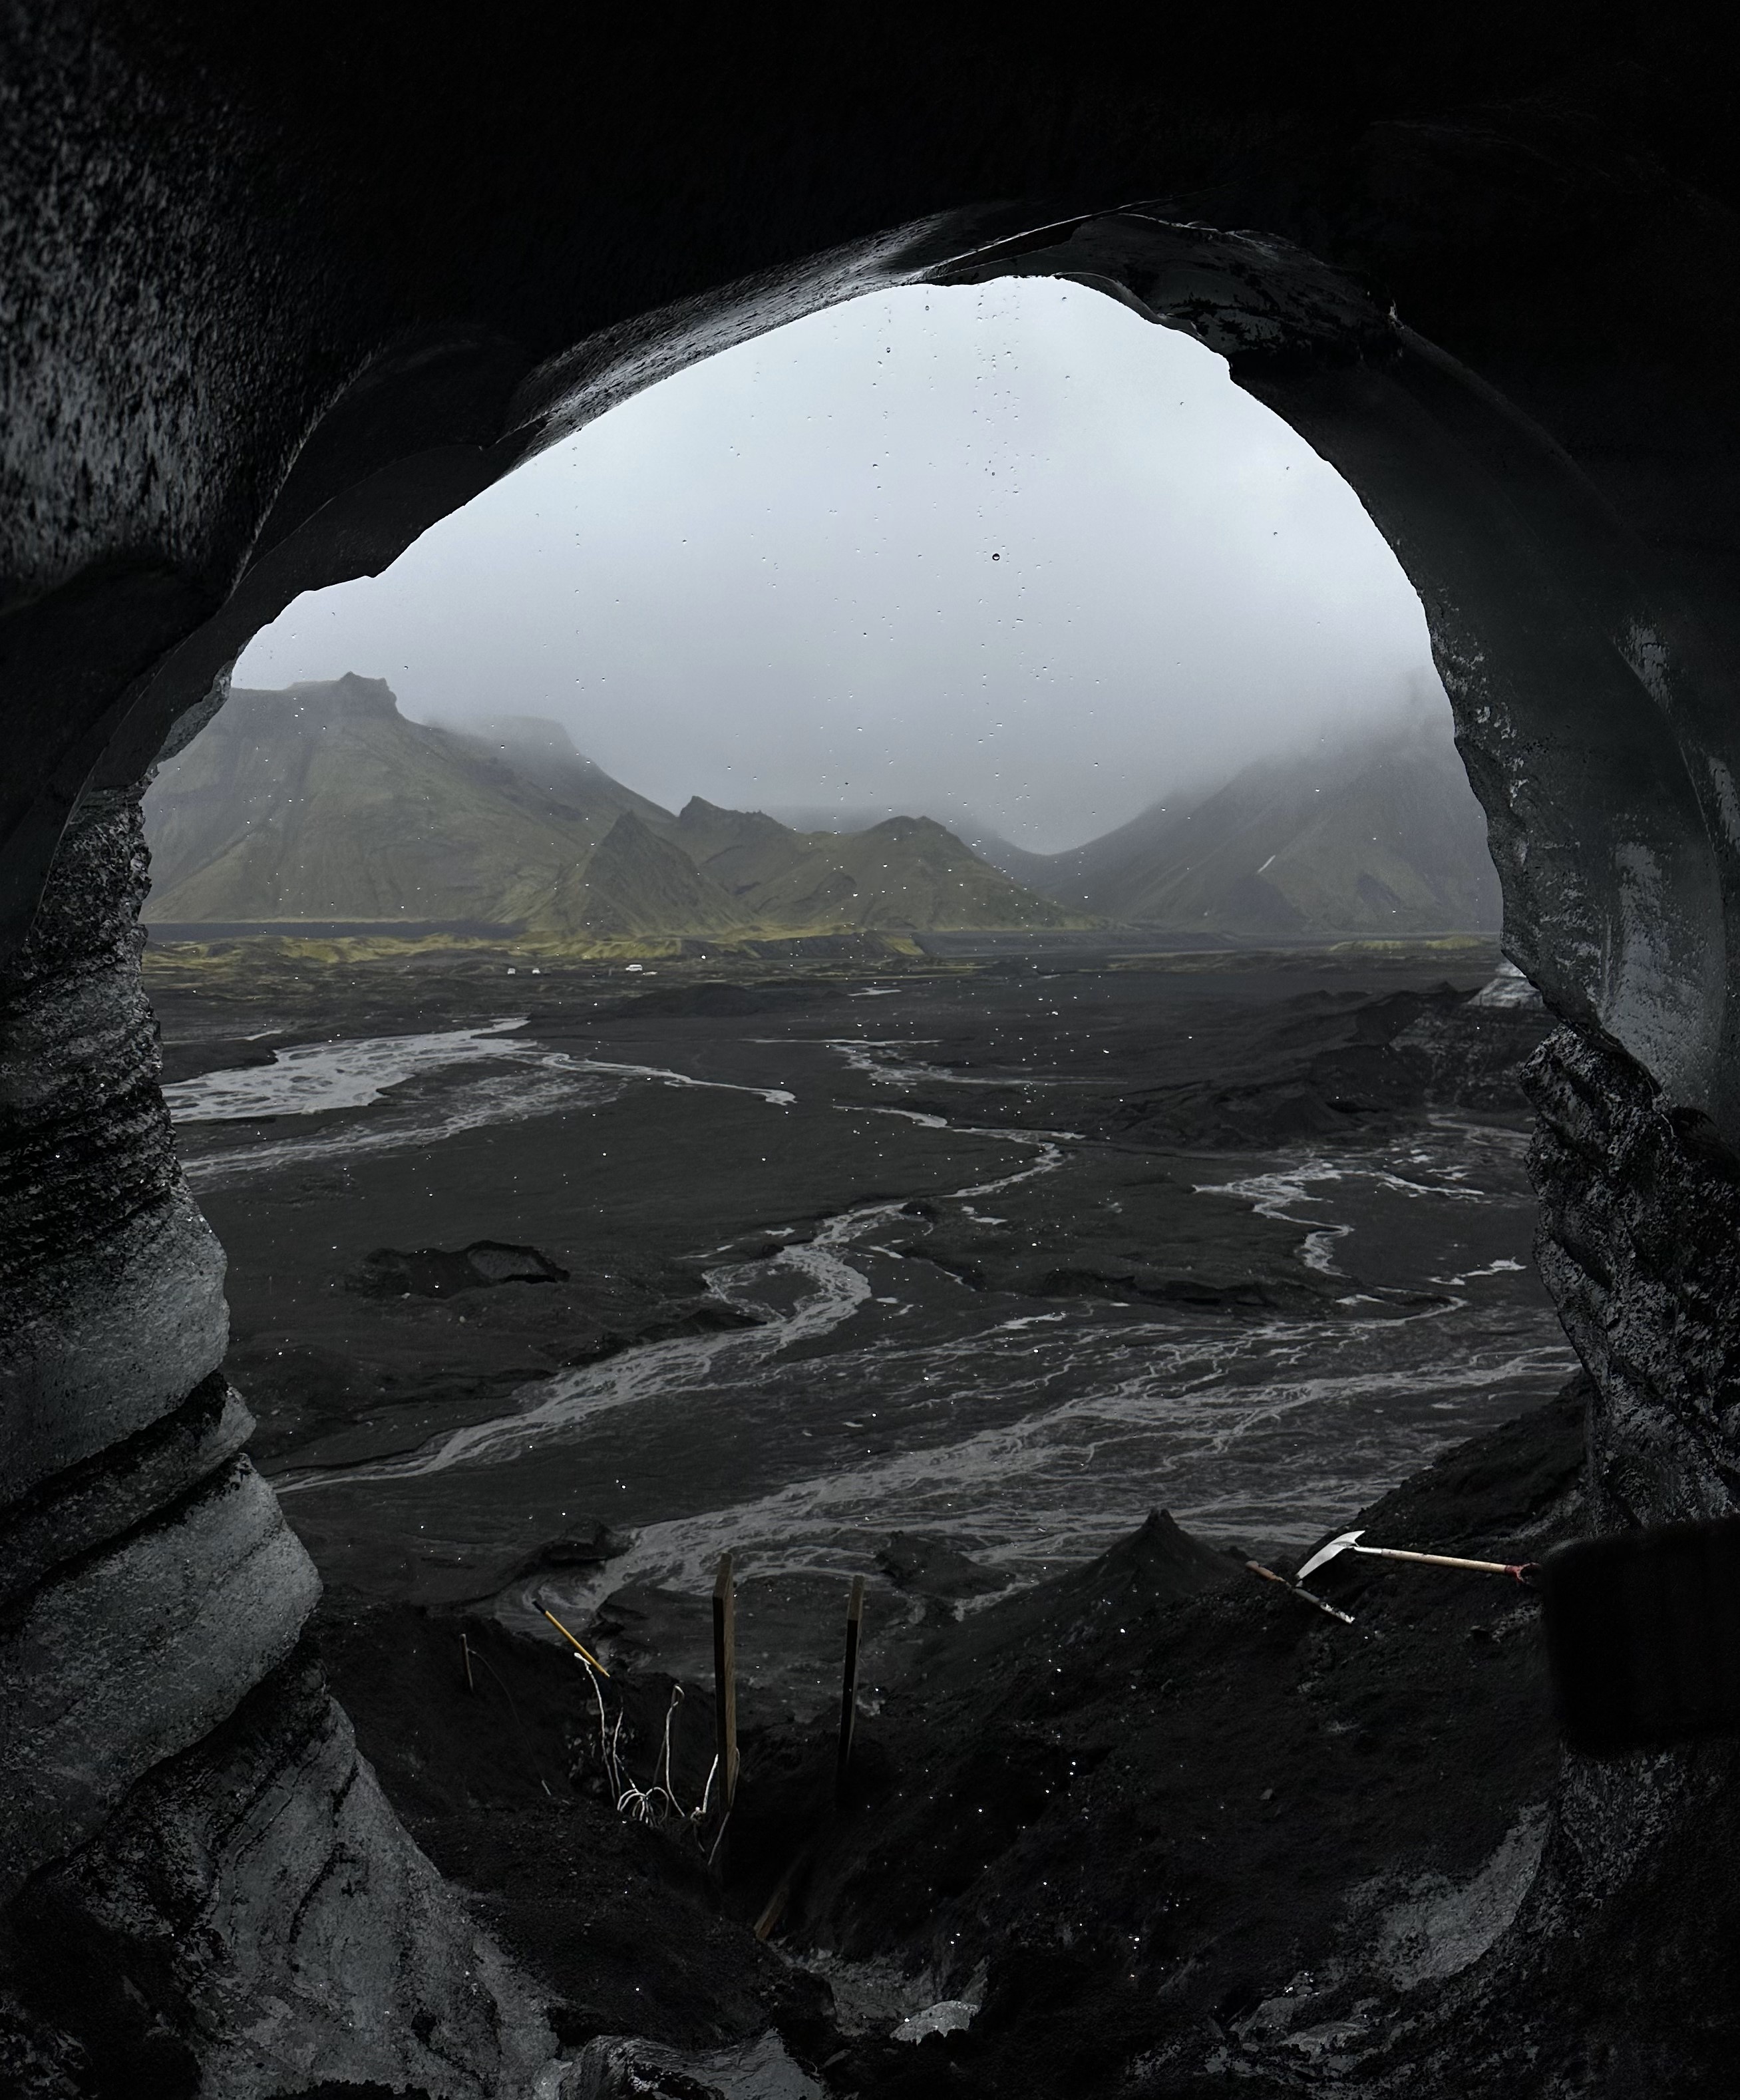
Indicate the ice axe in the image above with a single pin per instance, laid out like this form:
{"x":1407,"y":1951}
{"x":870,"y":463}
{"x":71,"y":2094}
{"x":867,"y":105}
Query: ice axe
{"x":1520,"y":1571}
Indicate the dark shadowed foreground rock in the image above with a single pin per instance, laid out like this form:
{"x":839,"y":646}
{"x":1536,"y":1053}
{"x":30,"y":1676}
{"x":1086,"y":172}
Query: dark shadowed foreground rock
{"x":254,"y":1920}
{"x":1163,"y":1825}
{"x":119,"y":1664}
{"x":201,"y":1888}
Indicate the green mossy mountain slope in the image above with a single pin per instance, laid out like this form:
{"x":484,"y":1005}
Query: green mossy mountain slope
{"x":635,"y":882}
{"x":906,"y":873}
{"x":322,"y":802}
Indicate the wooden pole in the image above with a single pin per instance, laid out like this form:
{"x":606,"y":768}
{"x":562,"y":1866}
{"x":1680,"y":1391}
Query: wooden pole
{"x":1520,"y":1570}
{"x":854,"y":1626}
{"x":724,"y":1677}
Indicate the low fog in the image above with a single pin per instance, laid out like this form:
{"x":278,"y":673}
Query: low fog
{"x":1008,"y":556}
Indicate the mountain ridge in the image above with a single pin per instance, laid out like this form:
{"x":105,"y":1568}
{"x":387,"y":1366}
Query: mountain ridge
{"x":320,"y":802}
{"x":1380,"y":834}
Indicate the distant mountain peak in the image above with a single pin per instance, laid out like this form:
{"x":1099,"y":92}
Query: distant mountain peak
{"x":353,"y":694}
{"x":698,"y":812}
{"x":373,"y":694}
{"x":636,"y":881}
{"x":317,"y":701}
{"x":628,"y":832}
{"x":1372,"y":834}
{"x":323,"y":802}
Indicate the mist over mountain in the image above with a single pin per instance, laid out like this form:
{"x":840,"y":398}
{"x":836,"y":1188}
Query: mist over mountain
{"x":322,"y":804}
{"x":1375,"y":835}
{"x":1007,"y":548}
{"x":542,"y":752}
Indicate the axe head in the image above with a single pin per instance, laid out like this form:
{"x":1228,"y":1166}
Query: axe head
{"x":1326,"y":1553}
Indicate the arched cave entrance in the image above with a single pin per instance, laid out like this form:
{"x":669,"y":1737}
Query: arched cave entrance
{"x":166,"y":1733}
{"x":996,"y":1343}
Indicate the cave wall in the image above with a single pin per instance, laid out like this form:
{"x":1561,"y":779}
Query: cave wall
{"x":284,"y":285}
{"x":201,"y":1888}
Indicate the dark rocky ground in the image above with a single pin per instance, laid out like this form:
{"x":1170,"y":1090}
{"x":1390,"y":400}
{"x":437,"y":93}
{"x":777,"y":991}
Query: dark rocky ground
{"x":1181,"y":1833}
{"x":362,"y":1321}
{"x":1174,"y":1831}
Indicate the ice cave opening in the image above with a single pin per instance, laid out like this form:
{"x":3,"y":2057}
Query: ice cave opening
{"x":875,"y":1251}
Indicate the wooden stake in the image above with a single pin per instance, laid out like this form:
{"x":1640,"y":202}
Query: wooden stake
{"x":585,"y":1653}
{"x":465,"y":1650}
{"x":854,"y":1626}
{"x":724,"y":1677}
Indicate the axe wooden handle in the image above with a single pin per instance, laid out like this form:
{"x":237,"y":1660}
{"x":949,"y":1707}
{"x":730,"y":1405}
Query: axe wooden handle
{"x":1520,"y":1569}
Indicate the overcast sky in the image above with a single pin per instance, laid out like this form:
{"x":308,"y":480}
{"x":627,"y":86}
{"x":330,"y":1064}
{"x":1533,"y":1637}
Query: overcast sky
{"x":1008,"y":550}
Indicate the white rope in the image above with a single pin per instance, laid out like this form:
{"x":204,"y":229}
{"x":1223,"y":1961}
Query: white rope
{"x":643,"y":1804}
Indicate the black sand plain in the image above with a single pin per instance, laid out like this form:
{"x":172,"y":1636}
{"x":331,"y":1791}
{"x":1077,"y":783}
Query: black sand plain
{"x":1124,"y":1799}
